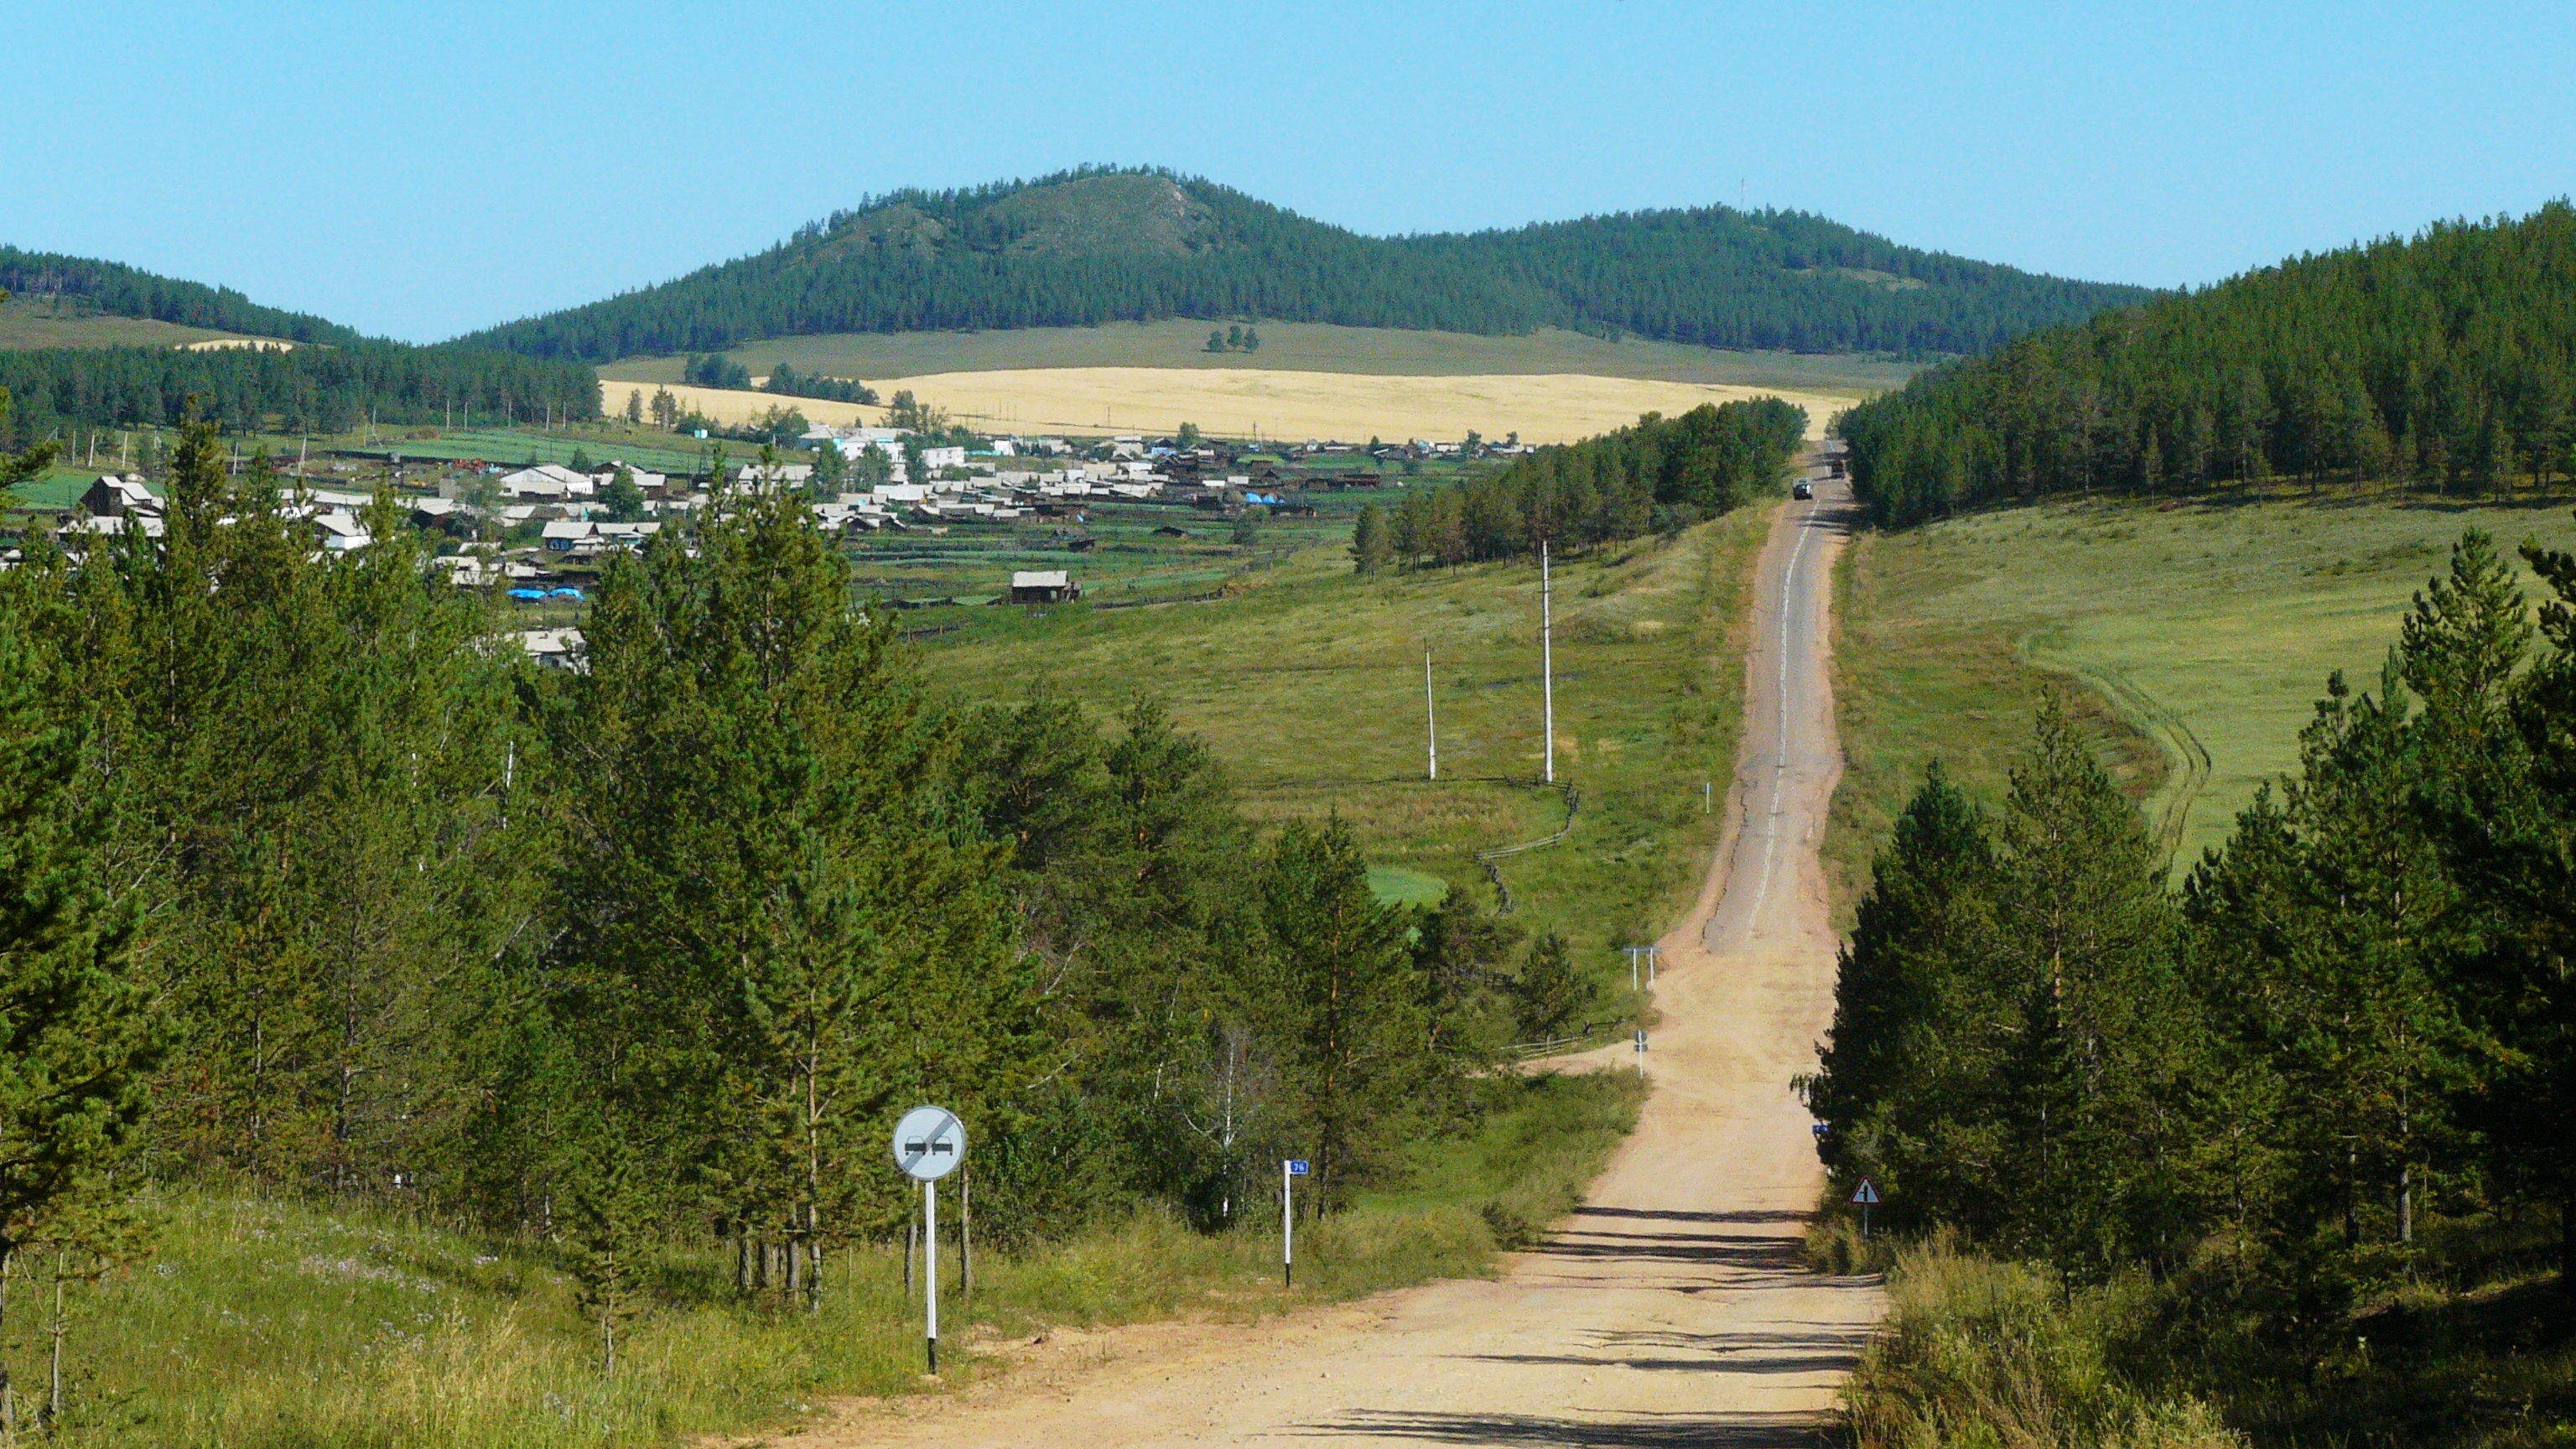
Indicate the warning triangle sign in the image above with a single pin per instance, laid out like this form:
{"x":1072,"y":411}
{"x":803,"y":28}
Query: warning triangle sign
{"x":1866,"y":1194}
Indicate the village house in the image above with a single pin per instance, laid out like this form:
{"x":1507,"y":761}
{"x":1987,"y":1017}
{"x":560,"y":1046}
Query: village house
{"x":114,"y":497}
{"x":341,"y":531}
{"x":759,"y":479}
{"x":1044,"y":586}
{"x":553,"y":648}
{"x":546,"y":481}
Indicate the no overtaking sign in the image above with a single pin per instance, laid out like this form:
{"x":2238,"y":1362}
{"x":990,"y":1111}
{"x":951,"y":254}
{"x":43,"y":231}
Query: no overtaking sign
{"x":929,"y":1143}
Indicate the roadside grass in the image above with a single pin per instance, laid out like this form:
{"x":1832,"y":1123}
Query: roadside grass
{"x":1286,"y":346}
{"x":2206,"y":628}
{"x":1307,"y":682}
{"x":270,"y":1324}
{"x":1977,"y":1351}
{"x":2476,"y":1351}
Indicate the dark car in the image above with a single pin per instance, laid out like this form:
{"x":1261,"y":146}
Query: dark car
{"x":1802,"y":489}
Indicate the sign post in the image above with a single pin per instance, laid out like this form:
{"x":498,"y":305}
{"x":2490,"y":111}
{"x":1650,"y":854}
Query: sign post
{"x":1865,"y":1195}
{"x":1290,"y":1169}
{"x":929,"y":1143}
{"x":1641,"y":1051}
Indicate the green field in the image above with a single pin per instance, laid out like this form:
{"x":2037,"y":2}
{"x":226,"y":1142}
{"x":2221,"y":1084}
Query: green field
{"x":2208,"y":627}
{"x":1307,"y":681}
{"x":266,"y":1324}
{"x":1289,"y":346}
{"x":653,"y":449}
{"x":27,"y":324}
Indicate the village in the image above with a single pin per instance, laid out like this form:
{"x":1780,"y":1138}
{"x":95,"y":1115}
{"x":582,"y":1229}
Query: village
{"x":538,"y":534}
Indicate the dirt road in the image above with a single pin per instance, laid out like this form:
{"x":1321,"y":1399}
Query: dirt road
{"x":1672,"y":1309}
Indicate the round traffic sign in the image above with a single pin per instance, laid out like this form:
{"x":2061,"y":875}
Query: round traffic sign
{"x":929,"y":1143}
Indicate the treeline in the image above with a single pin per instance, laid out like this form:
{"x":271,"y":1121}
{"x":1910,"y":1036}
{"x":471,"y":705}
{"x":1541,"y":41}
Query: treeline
{"x":309,"y":881}
{"x":125,"y":291}
{"x":322,"y":389}
{"x":2354,"y":1020}
{"x":2448,"y":359}
{"x":717,"y":370}
{"x":1658,"y":475}
{"x":1088,"y":247}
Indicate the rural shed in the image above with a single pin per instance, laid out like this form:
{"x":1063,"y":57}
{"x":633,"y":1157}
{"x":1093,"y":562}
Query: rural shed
{"x":1044,"y":586}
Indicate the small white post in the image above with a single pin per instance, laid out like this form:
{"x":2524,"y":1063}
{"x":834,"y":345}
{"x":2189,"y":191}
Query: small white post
{"x":1287,"y":1228}
{"x":1547,"y":658}
{"x":930,"y":1261}
{"x":1430,"y":711}
{"x":1654,"y":956}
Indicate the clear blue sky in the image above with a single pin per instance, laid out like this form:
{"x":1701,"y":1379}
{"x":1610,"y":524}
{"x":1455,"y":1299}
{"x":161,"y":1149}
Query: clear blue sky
{"x":421,"y":170}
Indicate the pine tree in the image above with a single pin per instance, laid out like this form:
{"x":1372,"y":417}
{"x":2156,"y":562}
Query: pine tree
{"x":80,"y":1031}
{"x":1550,"y":993}
{"x":1898,"y":1079}
{"x":2088,"y":1075}
{"x":1338,"y":1002}
{"x":1371,"y":550}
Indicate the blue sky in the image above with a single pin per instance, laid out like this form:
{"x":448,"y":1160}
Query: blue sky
{"x":420,"y":170}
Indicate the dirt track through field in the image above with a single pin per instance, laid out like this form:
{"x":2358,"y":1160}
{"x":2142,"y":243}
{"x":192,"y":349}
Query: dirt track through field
{"x":1672,"y":1309}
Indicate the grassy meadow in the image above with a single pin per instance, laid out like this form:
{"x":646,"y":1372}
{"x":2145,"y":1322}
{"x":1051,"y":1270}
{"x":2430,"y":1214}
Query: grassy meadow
{"x":29,"y":324}
{"x":1307,"y":682}
{"x":269,"y":1324}
{"x":2200,"y":634}
{"x":1293,"y":347}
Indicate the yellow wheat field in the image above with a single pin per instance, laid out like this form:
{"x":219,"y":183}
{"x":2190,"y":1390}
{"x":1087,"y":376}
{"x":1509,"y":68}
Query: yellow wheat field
{"x":1252,"y":402}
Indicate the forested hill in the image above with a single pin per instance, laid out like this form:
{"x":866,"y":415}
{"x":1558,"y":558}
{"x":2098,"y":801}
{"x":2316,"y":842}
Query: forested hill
{"x":1090,"y":247}
{"x":123,"y":291}
{"x":330,"y":380}
{"x":2449,"y":359}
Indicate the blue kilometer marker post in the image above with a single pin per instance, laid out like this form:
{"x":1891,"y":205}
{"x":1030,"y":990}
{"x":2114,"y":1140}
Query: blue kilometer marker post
{"x":1290,"y":1169}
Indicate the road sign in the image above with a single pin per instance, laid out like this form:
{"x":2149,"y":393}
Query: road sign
{"x":929,"y":1143}
{"x":1866,"y":1194}
{"x":1290,"y":1169}
{"x":1818,"y":1129}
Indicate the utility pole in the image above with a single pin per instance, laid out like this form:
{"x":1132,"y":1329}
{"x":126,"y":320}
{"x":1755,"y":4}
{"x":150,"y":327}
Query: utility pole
{"x":1547,"y":659}
{"x":1430,"y":711}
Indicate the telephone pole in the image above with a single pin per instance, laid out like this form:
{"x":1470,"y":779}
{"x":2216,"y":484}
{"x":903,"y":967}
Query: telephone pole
{"x":1430,"y":711}
{"x":1547,"y":659}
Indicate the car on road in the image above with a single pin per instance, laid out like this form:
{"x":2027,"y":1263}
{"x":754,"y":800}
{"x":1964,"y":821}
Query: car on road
{"x":1802,"y":489}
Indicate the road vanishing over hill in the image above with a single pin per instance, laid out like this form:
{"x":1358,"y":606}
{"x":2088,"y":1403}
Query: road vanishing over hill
{"x":1671,"y":1309}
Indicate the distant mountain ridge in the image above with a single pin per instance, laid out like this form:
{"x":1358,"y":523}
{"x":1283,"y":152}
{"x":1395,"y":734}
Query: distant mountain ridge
{"x":1088,"y":247}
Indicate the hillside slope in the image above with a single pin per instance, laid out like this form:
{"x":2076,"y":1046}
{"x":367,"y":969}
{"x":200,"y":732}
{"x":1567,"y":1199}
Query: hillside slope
{"x":83,"y":286}
{"x":1083,"y":248}
{"x":2448,"y":359}
{"x":86,"y":343}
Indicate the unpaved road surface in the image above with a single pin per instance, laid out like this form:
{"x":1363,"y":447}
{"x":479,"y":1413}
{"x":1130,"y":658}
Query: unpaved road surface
{"x":1672,"y":1309}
